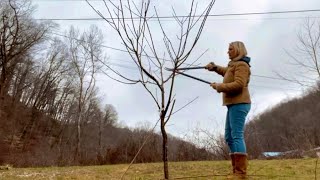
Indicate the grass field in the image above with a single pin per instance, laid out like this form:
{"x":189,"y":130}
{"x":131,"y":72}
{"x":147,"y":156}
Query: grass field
{"x":258,"y":169}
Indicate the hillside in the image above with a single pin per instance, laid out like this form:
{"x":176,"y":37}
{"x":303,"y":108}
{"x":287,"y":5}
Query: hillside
{"x":291,"y":125}
{"x":52,"y":143}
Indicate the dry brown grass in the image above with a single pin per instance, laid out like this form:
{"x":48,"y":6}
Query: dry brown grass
{"x":258,"y":169}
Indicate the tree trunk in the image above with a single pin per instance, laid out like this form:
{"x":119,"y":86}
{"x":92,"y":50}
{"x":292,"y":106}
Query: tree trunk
{"x":77,"y":152}
{"x":2,"y":82}
{"x":164,"y":148}
{"x":100,"y":156}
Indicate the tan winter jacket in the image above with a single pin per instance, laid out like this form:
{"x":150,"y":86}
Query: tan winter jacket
{"x":235,"y":82}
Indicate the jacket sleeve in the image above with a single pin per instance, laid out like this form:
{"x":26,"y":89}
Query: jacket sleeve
{"x":220,"y":70}
{"x":241,"y":77}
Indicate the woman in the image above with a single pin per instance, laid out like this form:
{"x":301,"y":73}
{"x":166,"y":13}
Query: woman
{"x":236,"y":97}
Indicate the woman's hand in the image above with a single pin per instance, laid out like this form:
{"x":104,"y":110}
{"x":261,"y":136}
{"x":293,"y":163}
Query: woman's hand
{"x":215,"y":86}
{"x":211,"y":66}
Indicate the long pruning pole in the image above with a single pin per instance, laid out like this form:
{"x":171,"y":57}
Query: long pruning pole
{"x":187,"y":75}
{"x":198,"y":79}
{"x":187,"y":68}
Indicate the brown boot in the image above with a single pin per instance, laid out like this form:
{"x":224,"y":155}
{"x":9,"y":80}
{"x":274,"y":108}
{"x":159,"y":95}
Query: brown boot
{"x":231,"y":175}
{"x":233,"y":162}
{"x":241,"y":164}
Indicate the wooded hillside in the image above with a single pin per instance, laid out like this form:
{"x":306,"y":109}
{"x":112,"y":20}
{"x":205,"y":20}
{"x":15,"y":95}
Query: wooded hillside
{"x":291,"y":125}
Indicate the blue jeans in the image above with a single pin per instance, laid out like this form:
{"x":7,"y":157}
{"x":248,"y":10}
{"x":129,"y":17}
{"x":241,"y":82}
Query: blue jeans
{"x":234,"y":128}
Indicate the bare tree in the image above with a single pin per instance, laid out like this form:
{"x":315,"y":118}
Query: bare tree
{"x":19,"y":33}
{"x":45,"y":84}
{"x":110,"y":116}
{"x":305,"y":56}
{"x":132,"y":23}
{"x":214,"y":142}
{"x":85,"y":55}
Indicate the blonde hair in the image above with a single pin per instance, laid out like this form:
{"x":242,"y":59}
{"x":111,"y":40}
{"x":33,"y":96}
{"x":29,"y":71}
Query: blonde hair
{"x":240,"y":49}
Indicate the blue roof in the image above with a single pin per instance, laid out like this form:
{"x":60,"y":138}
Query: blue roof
{"x":271,"y":154}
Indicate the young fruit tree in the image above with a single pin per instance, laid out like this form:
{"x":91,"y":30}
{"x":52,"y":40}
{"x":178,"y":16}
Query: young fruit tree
{"x":139,"y":27}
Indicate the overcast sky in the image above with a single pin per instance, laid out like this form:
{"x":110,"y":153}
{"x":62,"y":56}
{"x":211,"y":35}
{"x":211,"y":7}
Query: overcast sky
{"x":265,"y":36}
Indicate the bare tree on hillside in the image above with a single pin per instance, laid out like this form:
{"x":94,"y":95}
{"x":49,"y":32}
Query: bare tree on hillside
{"x":110,"y":117}
{"x":45,"y":81}
{"x":134,"y":26}
{"x":85,"y":56}
{"x":306,"y":54}
{"x":18,"y":35}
